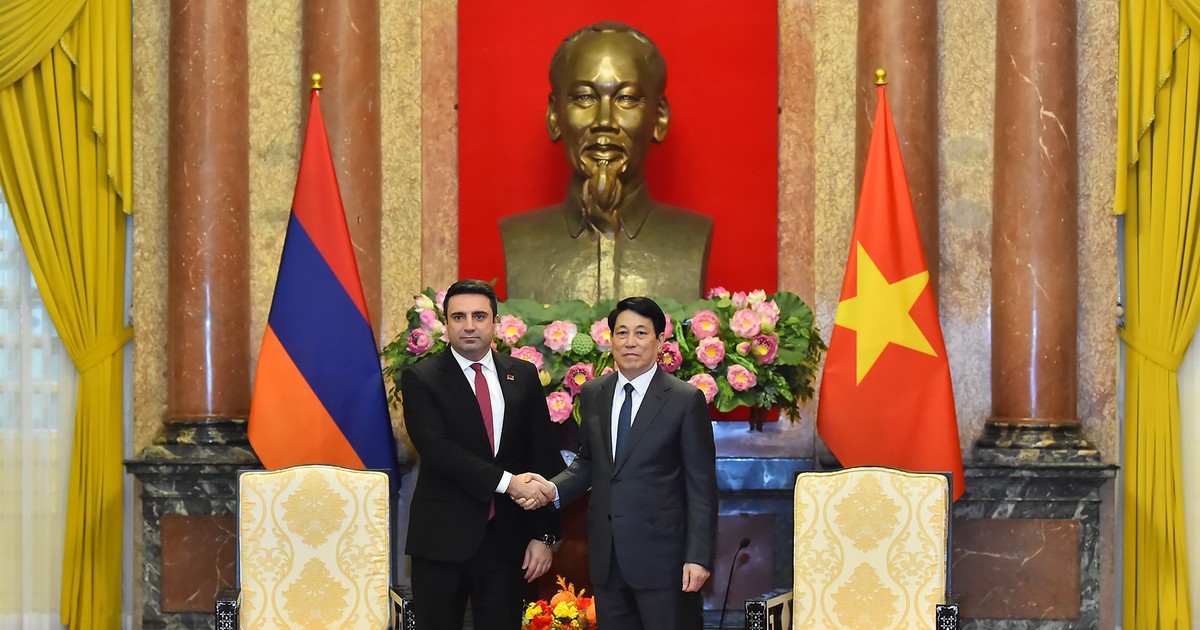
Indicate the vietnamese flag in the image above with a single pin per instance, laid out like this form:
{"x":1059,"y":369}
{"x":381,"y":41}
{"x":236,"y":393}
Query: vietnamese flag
{"x":318,"y":392}
{"x":886,"y":398}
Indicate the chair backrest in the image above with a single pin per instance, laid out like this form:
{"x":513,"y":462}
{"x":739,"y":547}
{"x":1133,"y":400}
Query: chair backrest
{"x":871,"y":548}
{"x":313,"y":548}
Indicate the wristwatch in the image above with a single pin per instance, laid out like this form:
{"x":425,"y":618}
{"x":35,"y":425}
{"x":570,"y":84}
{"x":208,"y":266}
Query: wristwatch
{"x":548,"y":539}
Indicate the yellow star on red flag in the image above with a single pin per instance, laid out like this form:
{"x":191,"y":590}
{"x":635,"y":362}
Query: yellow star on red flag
{"x":903,"y":416}
{"x":879,"y":313}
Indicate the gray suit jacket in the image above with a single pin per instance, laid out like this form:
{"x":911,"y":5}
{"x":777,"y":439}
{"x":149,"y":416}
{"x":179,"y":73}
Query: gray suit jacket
{"x":657,"y":506}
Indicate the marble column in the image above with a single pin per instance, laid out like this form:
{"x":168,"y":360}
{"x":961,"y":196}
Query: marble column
{"x":208,"y":192}
{"x":900,"y":36}
{"x":1035,"y":266}
{"x":439,"y":143}
{"x":341,"y":42}
{"x":187,"y":477}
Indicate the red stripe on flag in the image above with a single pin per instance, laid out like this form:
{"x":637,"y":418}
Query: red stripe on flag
{"x":317,"y":204}
{"x":289,"y":424}
{"x":886,"y":397}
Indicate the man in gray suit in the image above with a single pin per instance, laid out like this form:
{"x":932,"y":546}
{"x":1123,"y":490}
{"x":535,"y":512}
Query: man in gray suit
{"x":647,"y":454}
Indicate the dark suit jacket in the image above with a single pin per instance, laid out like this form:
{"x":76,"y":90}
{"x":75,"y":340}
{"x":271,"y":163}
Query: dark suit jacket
{"x":458,"y":474}
{"x":658,"y":505}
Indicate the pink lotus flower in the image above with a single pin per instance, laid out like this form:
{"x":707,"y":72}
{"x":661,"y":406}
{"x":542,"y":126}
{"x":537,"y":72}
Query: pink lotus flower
{"x":511,"y":329}
{"x":422,"y":302}
{"x":739,"y":299}
{"x":742,"y":348}
{"x":764,"y":348}
{"x":756,"y":297}
{"x":669,"y":357}
{"x":745,"y":323}
{"x":559,"y":404}
{"x":559,"y":335}
{"x":419,"y":341}
{"x":707,"y":384}
{"x":740,"y":378}
{"x":530,"y":354}
{"x":768,"y":312}
{"x":429,"y":318}
{"x":717,"y":293}
{"x":602,"y":335}
{"x":439,"y":300}
{"x":710,"y":351}
{"x":705,"y":324}
{"x":670,"y":329}
{"x":608,"y":370}
{"x":577,"y":375}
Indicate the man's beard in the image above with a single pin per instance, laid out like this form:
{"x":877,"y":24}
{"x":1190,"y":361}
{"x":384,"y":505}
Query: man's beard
{"x":602,"y":193}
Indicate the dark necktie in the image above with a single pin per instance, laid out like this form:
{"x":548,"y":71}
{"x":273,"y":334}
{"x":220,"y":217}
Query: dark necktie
{"x":624,"y":420}
{"x":484,"y":397}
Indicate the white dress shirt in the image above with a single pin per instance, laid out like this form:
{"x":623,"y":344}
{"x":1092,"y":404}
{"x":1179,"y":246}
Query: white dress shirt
{"x":497,"y":396}
{"x":640,"y":385}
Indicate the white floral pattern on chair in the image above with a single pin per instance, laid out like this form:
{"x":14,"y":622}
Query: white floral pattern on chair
{"x":870,"y":549}
{"x":313,"y":548}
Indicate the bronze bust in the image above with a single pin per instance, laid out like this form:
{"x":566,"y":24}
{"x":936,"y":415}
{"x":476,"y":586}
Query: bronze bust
{"x":608,"y":238}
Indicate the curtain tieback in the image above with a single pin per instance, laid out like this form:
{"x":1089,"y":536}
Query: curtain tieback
{"x":1155,"y":353}
{"x":103,"y":349}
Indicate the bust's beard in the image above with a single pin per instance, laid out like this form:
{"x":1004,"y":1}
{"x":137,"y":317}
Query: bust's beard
{"x":602,"y":193}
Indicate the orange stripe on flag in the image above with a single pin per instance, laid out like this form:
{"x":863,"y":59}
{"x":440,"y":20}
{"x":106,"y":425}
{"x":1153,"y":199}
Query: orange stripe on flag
{"x":284,"y":404}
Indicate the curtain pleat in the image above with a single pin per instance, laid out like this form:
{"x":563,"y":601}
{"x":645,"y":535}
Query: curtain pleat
{"x":66,"y":125}
{"x":1157,"y":143}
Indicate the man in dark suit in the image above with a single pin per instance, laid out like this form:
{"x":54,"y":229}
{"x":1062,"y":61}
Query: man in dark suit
{"x":647,"y":454}
{"x":475,"y":417}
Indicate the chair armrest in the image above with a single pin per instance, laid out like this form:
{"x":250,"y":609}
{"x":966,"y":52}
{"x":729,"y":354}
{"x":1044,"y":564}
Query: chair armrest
{"x":770,"y":611}
{"x":402,"y":608}
{"x":225,"y":610}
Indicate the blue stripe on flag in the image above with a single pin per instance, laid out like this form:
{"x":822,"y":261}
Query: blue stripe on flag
{"x":333,"y":346}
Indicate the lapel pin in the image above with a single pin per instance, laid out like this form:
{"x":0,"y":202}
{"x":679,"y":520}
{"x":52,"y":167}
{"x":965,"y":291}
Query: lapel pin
{"x":511,"y":377}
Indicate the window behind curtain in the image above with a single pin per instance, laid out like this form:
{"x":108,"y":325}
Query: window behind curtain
{"x":37,"y":416}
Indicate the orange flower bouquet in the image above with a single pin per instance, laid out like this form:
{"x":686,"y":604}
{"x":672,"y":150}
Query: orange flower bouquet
{"x":567,"y":610}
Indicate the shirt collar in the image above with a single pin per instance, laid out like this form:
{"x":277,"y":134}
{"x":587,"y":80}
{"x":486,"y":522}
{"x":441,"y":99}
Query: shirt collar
{"x":465,"y":364}
{"x":641,"y":383}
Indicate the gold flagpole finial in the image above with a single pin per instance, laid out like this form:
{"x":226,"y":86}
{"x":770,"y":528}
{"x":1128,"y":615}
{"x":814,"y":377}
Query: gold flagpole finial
{"x":881,"y":77}
{"x":316,"y":81}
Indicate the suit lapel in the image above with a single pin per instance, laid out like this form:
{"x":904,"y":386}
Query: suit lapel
{"x":459,"y":390}
{"x":604,"y":414}
{"x":652,"y":402}
{"x":511,"y":392}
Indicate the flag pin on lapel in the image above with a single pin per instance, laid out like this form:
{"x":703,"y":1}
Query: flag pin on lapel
{"x":511,"y":377}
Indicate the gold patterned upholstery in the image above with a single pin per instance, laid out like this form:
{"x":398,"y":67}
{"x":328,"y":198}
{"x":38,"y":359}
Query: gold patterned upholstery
{"x":313,"y":548}
{"x":870,"y":549}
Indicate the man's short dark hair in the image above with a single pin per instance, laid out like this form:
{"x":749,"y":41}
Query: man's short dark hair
{"x":475,"y":287}
{"x":643,"y":306}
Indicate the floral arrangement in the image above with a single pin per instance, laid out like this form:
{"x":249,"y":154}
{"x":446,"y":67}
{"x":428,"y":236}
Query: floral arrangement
{"x":565,"y":611}
{"x":751,"y":349}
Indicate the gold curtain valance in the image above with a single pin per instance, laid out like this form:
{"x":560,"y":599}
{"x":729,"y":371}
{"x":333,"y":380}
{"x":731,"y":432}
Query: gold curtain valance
{"x":28,"y":29}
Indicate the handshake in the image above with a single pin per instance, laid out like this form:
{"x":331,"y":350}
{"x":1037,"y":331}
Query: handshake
{"x":531,"y":490}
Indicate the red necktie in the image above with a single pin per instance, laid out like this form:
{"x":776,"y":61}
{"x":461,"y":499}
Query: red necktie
{"x":484,"y":397}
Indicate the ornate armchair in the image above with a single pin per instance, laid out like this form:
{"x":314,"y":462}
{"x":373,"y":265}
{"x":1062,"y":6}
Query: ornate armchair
{"x":871,"y":551}
{"x":314,"y":550}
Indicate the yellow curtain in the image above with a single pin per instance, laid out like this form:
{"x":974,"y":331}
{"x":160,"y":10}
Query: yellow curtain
{"x":66,"y":171}
{"x":1157,"y":180}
